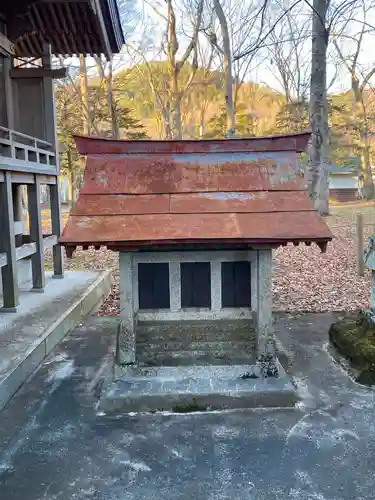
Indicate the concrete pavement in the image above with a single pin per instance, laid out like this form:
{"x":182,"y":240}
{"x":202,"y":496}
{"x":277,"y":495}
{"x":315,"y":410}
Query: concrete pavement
{"x":54,"y":445}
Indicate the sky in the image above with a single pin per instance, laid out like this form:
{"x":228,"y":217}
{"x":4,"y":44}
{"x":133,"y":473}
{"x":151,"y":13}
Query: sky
{"x":143,"y":26}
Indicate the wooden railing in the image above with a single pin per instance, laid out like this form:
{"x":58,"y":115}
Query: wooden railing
{"x":26,"y":151}
{"x":26,"y":160}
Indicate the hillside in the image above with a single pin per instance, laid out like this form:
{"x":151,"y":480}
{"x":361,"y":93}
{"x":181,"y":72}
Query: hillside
{"x":142,"y":100}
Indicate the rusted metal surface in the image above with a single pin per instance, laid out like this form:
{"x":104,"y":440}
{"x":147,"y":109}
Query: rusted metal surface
{"x":192,"y":203}
{"x":155,"y":174}
{"x":98,"y":145}
{"x":121,"y":204}
{"x":140,"y":194}
{"x":250,"y":226}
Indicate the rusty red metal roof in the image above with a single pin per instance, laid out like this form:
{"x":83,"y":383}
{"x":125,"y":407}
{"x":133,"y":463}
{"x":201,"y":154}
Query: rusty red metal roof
{"x":100,"y":145}
{"x":147,"y":194}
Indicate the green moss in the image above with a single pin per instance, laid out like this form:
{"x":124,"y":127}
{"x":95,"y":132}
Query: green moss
{"x":354,"y":338}
{"x":189,"y":408}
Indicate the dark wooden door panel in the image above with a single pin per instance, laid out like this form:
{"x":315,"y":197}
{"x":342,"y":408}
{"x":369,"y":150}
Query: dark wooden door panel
{"x":235,"y":284}
{"x":153,"y":285}
{"x":195,"y":284}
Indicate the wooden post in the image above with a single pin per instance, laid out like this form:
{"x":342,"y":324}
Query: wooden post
{"x":8,"y":245}
{"x":36,"y":234}
{"x":58,"y":259}
{"x":17,"y":210}
{"x":360,"y":263}
{"x":50,"y":135}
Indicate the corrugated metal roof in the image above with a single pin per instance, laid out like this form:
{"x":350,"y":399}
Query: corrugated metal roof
{"x":199,"y":193}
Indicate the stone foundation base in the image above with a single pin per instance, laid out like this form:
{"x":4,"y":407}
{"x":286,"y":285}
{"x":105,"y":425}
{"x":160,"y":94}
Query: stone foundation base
{"x":185,"y":389}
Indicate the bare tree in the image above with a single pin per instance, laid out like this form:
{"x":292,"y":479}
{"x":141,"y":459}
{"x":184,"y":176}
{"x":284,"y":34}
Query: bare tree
{"x":226,"y":52}
{"x":289,"y":58}
{"x":204,"y":93}
{"x":237,"y":23}
{"x":349,"y":40}
{"x":169,"y":99}
{"x":105,"y":71}
{"x":176,"y":65}
{"x":317,"y":169}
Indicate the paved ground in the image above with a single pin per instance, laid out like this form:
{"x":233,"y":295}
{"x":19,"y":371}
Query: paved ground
{"x":54,"y":446}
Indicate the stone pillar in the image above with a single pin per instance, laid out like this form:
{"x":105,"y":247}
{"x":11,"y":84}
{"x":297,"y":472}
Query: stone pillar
{"x":175,"y":286}
{"x":266,"y":357}
{"x":125,"y":351}
{"x":254,"y":279}
{"x":215,"y":285}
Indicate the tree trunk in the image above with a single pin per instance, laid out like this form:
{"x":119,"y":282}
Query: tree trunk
{"x":368,"y":184}
{"x":201,"y":122}
{"x":111,"y":103}
{"x":72,"y":179}
{"x":317,"y":169}
{"x":175,"y":112}
{"x":83,"y":89}
{"x":227,"y":58}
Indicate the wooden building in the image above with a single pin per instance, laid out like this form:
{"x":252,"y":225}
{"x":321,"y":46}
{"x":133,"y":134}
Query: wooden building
{"x":195,"y":223}
{"x":31,"y":32}
{"x":344,"y":183}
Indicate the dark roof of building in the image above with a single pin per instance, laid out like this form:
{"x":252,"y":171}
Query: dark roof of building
{"x":69,"y":26}
{"x":142,"y":194}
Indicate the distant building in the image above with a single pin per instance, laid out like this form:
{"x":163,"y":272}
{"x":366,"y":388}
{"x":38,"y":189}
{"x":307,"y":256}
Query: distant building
{"x":344,"y":183}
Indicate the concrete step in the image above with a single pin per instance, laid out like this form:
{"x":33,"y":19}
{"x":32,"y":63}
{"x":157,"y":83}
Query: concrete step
{"x":186,"y":353}
{"x":194,"y":388}
{"x":188,"y":358}
{"x":192,"y":336}
{"x":41,"y":321}
{"x":210,"y":331}
{"x":221,"y":346}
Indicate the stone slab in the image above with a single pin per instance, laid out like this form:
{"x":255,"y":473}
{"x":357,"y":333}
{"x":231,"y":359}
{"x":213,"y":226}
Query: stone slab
{"x":192,"y":388}
{"x":41,"y":321}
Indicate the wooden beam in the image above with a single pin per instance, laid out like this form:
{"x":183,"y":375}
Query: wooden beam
{"x":38,"y":73}
{"x":58,"y":259}
{"x":9,"y":99}
{"x":19,"y":227}
{"x":25,"y":250}
{"x":6,"y":46}
{"x":36,"y":234}
{"x":3,"y":259}
{"x":8,"y":246}
{"x":7,"y":163}
{"x":49,"y":241}
{"x":103,"y":29}
{"x":24,"y":178}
